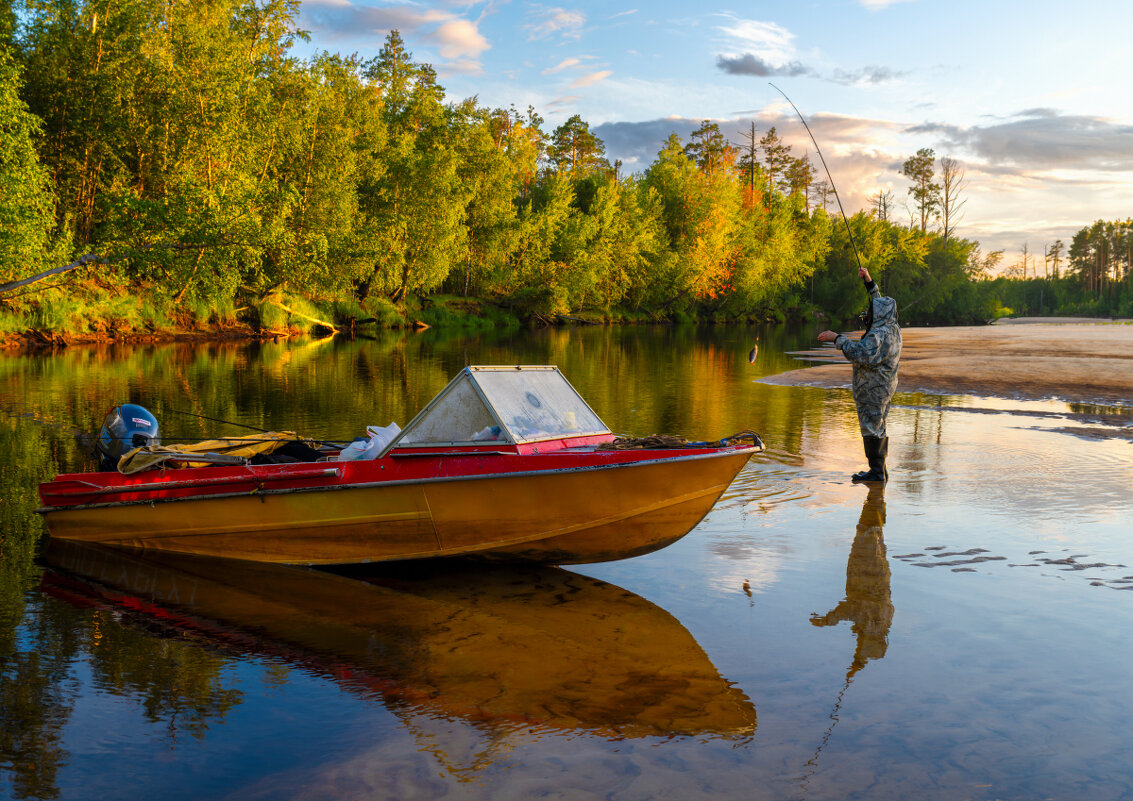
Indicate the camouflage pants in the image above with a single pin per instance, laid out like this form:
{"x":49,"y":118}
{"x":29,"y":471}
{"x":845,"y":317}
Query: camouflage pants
{"x":872,"y":411}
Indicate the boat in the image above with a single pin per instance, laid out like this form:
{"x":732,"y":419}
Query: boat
{"x":505,"y":463}
{"x":499,"y":647}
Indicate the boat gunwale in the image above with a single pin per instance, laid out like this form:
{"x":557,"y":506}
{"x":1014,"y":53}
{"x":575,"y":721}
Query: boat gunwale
{"x":750,"y":450}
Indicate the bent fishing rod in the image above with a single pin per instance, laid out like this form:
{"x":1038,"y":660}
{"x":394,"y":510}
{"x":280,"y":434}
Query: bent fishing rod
{"x":829,"y":177}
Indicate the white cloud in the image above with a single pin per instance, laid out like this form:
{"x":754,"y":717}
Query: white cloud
{"x":459,"y":39}
{"x":546,"y":22}
{"x":591,"y":79}
{"x":768,"y":41}
{"x":566,"y":63}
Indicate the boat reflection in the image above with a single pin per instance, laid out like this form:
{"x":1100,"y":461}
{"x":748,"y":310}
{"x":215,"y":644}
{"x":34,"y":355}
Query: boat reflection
{"x":499,"y":646}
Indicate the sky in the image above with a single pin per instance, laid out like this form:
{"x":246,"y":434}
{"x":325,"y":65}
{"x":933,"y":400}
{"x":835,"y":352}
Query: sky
{"x":1034,"y":98}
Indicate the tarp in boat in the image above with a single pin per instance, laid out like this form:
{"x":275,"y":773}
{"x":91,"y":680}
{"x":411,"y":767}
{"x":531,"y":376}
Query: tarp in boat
{"x":229,"y":450}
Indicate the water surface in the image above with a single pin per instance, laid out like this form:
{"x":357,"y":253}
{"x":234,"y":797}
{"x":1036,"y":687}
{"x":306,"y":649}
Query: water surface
{"x":963,"y":634}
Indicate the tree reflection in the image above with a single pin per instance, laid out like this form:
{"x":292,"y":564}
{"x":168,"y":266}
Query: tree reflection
{"x":176,"y":683}
{"x":37,"y":639}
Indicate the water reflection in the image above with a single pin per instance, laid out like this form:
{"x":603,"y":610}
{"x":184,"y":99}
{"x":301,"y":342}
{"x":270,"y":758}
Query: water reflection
{"x":867,"y":606}
{"x":502,"y":649}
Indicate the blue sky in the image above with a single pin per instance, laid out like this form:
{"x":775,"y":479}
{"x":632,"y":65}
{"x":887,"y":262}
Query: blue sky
{"x":1033,"y":98}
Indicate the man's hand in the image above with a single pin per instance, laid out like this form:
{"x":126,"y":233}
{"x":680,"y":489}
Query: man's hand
{"x":827,"y":336}
{"x":863,"y":274}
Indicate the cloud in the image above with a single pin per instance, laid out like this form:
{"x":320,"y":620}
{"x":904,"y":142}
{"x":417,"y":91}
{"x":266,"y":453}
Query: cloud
{"x":566,"y":63}
{"x":560,"y":102}
{"x":591,"y":79}
{"x":767,"y":41}
{"x":623,"y":13}
{"x":865,"y":75}
{"x":765,"y":49}
{"x":637,"y":143}
{"x":749,"y":64}
{"x":337,"y":19}
{"x":546,"y":22}
{"x":1042,"y":139}
{"x":458,"y":40}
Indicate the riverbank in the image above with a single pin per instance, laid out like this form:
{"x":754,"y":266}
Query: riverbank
{"x":1084,"y":362}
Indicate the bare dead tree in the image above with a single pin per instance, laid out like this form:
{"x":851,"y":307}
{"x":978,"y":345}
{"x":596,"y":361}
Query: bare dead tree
{"x":952,"y":183}
{"x":882,"y":203}
{"x":750,"y":158}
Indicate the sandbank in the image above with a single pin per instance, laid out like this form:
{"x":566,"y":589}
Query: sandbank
{"x":1073,"y":361}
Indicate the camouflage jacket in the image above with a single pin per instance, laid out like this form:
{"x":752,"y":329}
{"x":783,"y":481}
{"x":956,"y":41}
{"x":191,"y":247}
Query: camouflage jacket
{"x":876,"y":354}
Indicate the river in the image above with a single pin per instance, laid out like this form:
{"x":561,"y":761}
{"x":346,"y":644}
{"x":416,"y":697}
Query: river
{"x":963,"y":634}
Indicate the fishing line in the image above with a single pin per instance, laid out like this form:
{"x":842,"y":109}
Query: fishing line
{"x":829,"y":177}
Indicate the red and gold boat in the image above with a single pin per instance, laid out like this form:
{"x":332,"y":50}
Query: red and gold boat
{"x":504,"y":463}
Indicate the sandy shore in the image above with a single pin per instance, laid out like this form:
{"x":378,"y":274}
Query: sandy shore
{"x":1075,"y":362}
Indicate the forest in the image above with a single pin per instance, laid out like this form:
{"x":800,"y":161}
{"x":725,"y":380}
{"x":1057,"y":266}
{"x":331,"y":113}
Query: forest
{"x":195,"y":174}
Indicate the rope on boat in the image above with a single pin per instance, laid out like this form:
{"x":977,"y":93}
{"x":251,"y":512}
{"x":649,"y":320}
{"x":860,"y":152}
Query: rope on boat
{"x":673,"y":441}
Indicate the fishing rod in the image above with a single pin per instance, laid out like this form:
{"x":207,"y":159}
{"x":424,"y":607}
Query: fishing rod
{"x":329,"y":443}
{"x":829,"y":177}
{"x":218,"y":420}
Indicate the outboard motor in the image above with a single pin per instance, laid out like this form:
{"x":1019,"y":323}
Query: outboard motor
{"x":126,"y":427}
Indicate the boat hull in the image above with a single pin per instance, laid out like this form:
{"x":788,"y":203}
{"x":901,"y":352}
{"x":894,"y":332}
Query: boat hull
{"x":592,"y":511}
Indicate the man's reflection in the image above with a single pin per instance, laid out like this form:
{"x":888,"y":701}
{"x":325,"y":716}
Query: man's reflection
{"x":867,"y":604}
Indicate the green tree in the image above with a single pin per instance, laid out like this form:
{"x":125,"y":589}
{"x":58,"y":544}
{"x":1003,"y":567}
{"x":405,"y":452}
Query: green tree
{"x":800,"y":176}
{"x":413,"y":208}
{"x":710,"y":150}
{"x":777,"y":160}
{"x":26,"y":200}
{"x":925,"y":192}
{"x":574,"y":149}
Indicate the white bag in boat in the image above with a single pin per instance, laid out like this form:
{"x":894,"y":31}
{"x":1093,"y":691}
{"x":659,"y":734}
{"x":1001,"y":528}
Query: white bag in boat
{"x":361,"y":449}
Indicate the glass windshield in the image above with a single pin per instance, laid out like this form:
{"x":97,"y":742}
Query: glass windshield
{"x":537,"y":403}
{"x":457,"y":415}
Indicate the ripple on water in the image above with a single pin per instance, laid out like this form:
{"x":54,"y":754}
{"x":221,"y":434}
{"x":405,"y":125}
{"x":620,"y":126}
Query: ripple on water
{"x":933,"y":556}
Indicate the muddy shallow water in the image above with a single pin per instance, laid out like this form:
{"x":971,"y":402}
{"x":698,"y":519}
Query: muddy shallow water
{"x":963,"y":634}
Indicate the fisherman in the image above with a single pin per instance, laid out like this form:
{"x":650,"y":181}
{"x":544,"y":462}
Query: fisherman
{"x":875,"y":357}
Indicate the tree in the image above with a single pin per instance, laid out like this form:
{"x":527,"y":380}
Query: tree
{"x":800,"y":176}
{"x":575,"y":150}
{"x":749,"y":163}
{"x":777,"y":157}
{"x":952,"y":183}
{"x":925,"y":192}
{"x":1054,"y":253}
{"x":709,"y":149}
{"x":26,"y":200}
{"x":823,"y":192}
{"x":882,"y":204}
{"x":413,"y":206}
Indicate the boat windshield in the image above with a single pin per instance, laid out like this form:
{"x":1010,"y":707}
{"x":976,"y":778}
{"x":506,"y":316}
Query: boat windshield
{"x":537,"y":403}
{"x":503,"y":404}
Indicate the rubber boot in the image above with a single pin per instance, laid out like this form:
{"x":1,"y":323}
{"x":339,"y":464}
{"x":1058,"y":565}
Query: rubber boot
{"x":876,"y":449}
